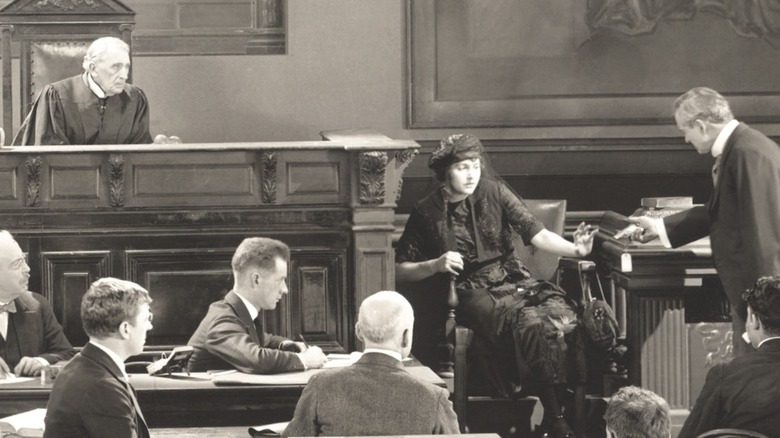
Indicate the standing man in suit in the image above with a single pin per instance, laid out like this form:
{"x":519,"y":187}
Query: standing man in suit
{"x":30,"y":336}
{"x":231,"y":335}
{"x":742,"y":216}
{"x":92,"y":396}
{"x":376,"y":395}
{"x":745,"y":393}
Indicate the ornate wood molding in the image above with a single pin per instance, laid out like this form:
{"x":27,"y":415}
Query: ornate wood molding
{"x":66,"y":5}
{"x":717,"y":342}
{"x":116,"y":180}
{"x":269,"y":177}
{"x":33,"y":165}
{"x":372,"y":177}
{"x":404,"y":158}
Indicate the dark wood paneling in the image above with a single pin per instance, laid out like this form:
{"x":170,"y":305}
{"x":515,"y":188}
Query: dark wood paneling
{"x":66,"y":275}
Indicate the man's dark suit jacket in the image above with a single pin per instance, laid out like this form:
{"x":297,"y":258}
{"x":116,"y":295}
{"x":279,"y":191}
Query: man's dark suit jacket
{"x":227,"y":338}
{"x":375,"y":396}
{"x":744,"y":393}
{"x":33,"y":331}
{"x":91,"y":399}
{"x":742,"y":217}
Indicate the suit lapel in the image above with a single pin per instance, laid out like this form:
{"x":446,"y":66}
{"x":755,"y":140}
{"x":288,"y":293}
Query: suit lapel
{"x":234,"y":301}
{"x":715,"y":196}
{"x":100,"y":357}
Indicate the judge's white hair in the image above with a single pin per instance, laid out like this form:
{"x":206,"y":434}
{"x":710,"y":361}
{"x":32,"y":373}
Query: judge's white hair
{"x":101,"y":46}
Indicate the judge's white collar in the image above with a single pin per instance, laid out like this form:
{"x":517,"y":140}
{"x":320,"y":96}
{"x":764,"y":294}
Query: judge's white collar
{"x":94,"y":87}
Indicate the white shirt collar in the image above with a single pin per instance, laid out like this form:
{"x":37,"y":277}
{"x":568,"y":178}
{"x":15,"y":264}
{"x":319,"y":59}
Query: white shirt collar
{"x":94,"y":87}
{"x":723,"y":137}
{"x":767,"y":339}
{"x":249,"y":307}
{"x":115,"y":357}
{"x":391,"y":353}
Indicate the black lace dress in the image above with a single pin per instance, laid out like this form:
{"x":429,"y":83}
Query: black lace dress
{"x":513,"y":314}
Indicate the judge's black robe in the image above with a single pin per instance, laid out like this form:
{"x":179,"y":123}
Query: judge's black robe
{"x":68,"y":112}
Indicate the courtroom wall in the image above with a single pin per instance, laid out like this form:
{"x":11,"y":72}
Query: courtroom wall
{"x":346,"y":67}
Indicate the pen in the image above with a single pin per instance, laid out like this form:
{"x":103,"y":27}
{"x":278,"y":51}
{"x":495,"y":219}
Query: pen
{"x":300,"y":338}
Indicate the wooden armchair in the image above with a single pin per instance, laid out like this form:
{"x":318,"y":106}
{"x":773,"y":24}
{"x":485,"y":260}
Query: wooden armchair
{"x":438,"y":341}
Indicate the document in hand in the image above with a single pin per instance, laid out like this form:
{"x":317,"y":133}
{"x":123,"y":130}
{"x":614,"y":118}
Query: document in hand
{"x":272,"y":430}
{"x":26,"y":424}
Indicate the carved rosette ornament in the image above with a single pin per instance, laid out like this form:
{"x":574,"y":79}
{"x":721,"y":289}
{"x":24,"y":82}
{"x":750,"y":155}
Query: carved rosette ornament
{"x":372,"y":177}
{"x":116,"y":180}
{"x":717,"y":342}
{"x":404,"y":158}
{"x":269,"y":177}
{"x":33,"y":165}
{"x":67,"y":5}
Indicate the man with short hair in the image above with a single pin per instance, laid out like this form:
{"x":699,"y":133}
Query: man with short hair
{"x":376,"y":395}
{"x":30,"y":336}
{"x":745,"y":393}
{"x":231,"y":335}
{"x":634,"y":412}
{"x":92,"y":396}
{"x":742,"y":216}
{"x":95,"y":107}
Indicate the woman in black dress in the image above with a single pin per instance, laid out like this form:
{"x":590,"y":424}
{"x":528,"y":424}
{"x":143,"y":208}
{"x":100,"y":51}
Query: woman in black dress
{"x":464,"y":229}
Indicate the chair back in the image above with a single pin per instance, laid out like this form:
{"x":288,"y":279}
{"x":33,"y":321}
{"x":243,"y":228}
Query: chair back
{"x":731,"y":433}
{"x":552,"y":213}
{"x":51,"y":40}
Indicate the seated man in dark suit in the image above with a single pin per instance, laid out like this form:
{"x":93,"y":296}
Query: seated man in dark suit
{"x":376,"y":395}
{"x":231,"y":335}
{"x":745,"y":393}
{"x":95,"y":107}
{"x":636,"y":412}
{"x":92,"y":396}
{"x":30,"y":336}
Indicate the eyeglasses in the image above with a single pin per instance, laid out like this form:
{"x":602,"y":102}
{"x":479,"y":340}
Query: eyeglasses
{"x":151,"y":316}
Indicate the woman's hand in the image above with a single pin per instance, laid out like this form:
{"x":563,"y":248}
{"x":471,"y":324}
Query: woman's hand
{"x":583,"y":239}
{"x":450,"y":261}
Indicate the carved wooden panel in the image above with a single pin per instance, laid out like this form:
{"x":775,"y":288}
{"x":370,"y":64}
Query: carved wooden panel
{"x":182,"y":283}
{"x":66,"y":277}
{"x":8,"y":184}
{"x":318,"y":301}
{"x":311,"y":177}
{"x":74,"y":182}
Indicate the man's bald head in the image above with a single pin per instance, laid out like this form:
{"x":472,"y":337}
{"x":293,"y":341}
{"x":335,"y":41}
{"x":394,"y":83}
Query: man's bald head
{"x":385,"y":320}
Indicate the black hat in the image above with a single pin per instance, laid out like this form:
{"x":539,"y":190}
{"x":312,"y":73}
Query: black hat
{"x":454,"y":148}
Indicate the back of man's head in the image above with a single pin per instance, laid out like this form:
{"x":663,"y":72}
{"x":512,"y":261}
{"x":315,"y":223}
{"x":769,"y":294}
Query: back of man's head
{"x":385,"y":320}
{"x":702,"y":103}
{"x":764,"y":300}
{"x":634,"y":412}
{"x":108,"y":303}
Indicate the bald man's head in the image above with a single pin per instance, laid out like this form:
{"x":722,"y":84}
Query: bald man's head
{"x":385,"y":320}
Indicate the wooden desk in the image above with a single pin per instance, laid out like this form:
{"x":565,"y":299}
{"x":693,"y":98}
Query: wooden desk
{"x":242,"y":432}
{"x":650,"y":285}
{"x":182,"y":401}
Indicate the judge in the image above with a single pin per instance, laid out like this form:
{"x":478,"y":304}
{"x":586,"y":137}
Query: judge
{"x":95,"y":107}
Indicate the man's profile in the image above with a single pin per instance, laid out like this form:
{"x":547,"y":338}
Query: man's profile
{"x":30,"y":336}
{"x":95,"y":107}
{"x":92,"y":396}
{"x":231,"y":335}
{"x":376,"y":395}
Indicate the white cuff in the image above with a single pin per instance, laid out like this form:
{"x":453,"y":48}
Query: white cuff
{"x":302,"y":361}
{"x":660,"y":228}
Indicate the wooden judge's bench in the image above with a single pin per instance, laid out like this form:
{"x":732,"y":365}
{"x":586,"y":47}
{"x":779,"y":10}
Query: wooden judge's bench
{"x":169,"y":217}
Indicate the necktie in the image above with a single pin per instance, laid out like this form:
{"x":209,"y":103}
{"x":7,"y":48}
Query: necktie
{"x":5,"y":309}
{"x":716,"y":169}
{"x":8,"y":307}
